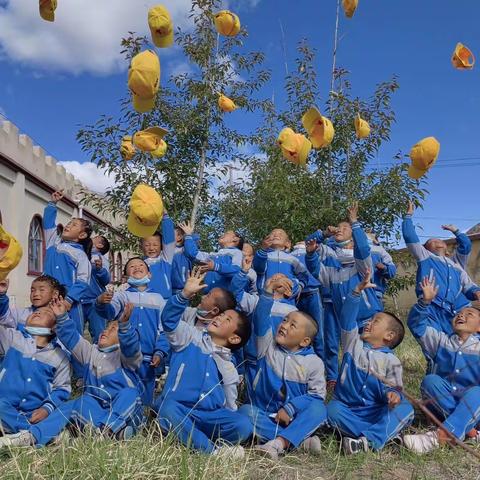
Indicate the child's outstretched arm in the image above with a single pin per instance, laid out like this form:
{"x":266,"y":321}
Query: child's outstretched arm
{"x":6,"y":317}
{"x":464,"y":245}
{"x":190,"y":245}
{"x":50,"y":219}
{"x":131,"y":354}
{"x":387,"y":268}
{"x":81,"y":286}
{"x":470,"y":289}
{"x":418,"y":251}
{"x":109,"y":305}
{"x":68,"y":334}
{"x":246,"y":301}
{"x":168,"y":239}
{"x":361,"y":248}
{"x":101,"y":272}
{"x":261,"y":256}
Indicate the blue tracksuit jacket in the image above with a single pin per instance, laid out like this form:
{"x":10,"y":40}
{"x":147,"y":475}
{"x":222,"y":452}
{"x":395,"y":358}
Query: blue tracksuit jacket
{"x":11,"y":317}
{"x":100,"y":276}
{"x":161,"y":266}
{"x":201,"y":374}
{"x":312,"y":283}
{"x":381,"y":277}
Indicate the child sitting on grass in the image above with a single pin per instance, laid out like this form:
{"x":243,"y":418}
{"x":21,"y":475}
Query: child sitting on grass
{"x":367,"y":406}
{"x":111,"y":397}
{"x":453,"y":390}
{"x":198,"y":401}
{"x":289,"y":386}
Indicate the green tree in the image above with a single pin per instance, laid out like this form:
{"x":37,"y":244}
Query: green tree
{"x":278,"y":193}
{"x":200,"y":139}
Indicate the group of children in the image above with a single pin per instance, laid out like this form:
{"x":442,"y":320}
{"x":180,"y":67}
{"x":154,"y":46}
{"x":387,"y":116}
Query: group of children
{"x":268,"y":325}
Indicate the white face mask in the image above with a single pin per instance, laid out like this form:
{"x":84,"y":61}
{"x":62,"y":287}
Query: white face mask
{"x":202,"y":313}
{"x":109,"y":349}
{"x":138,"y":282}
{"x":39,"y":331}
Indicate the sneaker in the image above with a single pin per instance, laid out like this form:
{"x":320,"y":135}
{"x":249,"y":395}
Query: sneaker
{"x":422,"y":443}
{"x":312,"y":445}
{"x":234,"y":452}
{"x":125,"y":433}
{"x":351,"y":446}
{"x":270,"y":449}
{"x":21,"y":439}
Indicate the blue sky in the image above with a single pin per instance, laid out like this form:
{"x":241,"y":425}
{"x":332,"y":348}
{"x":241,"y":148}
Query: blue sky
{"x":55,"y":77}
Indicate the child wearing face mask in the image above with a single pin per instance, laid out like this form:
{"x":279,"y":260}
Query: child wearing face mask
{"x":111,"y":396}
{"x":145,"y":318}
{"x":43,"y":289}
{"x":35,"y":373}
{"x":68,"y":258}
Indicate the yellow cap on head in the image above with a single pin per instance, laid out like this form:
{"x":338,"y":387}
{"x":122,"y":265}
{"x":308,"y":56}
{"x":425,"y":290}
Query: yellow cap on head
{"x":227,"y":23}
{"x":10,"y":253}
{"x":146,"y":211}
{"x":144,"y":80}
{"x":161,"y":26}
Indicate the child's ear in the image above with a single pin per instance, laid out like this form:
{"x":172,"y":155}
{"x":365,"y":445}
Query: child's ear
{"x":149,"y":274}
{"x":306,"y":342}
{"x":83,"y":236}
{"x":234,"y":339}
{"x":389,"y":336}
{"x":215,"y":311}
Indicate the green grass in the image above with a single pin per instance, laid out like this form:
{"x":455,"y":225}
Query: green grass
{"x":149,"y":455}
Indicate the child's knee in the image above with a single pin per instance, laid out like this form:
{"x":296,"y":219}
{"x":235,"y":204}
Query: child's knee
{"x":431,"y":383}
{"x":249,"y":411}
{"x":335,"y":412}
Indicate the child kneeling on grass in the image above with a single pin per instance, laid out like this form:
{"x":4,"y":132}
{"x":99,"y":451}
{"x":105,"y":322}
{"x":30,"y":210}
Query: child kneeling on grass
{"x":198,"y":401}
{"x":367,"y":406}
{"x":453,"y":389}
{"x":289,"y":386}
{"x":112,"y":388}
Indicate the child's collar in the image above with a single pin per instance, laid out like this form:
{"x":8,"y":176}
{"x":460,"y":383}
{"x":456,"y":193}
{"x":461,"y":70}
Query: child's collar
{"x":302,"y":351}
{"x":383,"y":348}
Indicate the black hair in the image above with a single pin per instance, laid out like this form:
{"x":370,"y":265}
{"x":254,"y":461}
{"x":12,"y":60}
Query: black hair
{"x":106,"y":248}
{"x":225,"y":300}
{"x":87,"y":242}
{"x":134,"y":258}
{"x":241,"y":240}
{"x":243,"y":330}
{"x":396,"y":326}
{"x":311,"y":329}
{"x":54,"y":283}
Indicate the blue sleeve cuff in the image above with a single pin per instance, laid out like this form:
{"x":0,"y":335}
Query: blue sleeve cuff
{"x":288,"y":407}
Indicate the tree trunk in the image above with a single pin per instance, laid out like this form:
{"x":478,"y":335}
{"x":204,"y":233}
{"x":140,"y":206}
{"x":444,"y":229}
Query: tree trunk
{"x":198,"y":190}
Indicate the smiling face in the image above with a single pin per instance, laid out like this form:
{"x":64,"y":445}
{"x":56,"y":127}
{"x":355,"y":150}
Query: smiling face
{"x":109,"y":336}
{"x":377,"y":332}
{"x":42,"y":317}
{"x":436,"y":246}
{"x":279,"y":238}
{"x":137,"y":268}
{"x":41,"y":293}
{"x":74,"y":230}
{"x":222,"y":328}
{"x":466,"y":322}
{"x":152,"y":246}
{"x":344,"y":232}
{"x":293,"y":333}
{"x":179,"y":237}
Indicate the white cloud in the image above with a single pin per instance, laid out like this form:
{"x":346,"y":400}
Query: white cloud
{"x":93,"y":177}
{"x":85,"y":36}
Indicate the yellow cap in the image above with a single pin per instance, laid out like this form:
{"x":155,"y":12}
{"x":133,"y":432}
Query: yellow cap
{"x":149,"y":139}
{"x":161,"y":150}
{"x":463,"y":58}
{"x":423,"y":155}
{"x":161,"y":26}
{"x":10,"y":253}
{"x":146,"y":211}
{"x":226,"y":104}
{"x":295,"y":146}
{"x":127,"y":149}
{"x":227,"y":23}
{"x":349,"y":7}
{"x":320,"y":129}
{"x":362,"y":128}
{"x":47,"y":9}
{"x":144,"y":80}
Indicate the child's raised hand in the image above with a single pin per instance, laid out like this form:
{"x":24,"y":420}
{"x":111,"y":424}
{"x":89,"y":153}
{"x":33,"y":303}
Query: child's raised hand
{"x":311,"y":246}
{"x":4,"y":286}
{"x":450,"y":228}
{"x":247,"y":263}
{"x":330,"y":231}
{"x":353,"y":212}
{"x":57,"y":196}
{"x":58,"y":306}
{"x":411,"y":208}
{"x":267,"y":242}
{"x":194,"y":283}
{"x":127,"y":311}
{"x":98,"y":263}
{"x":365,"y":283}
{"x":105,"y":297}
{"x":429,"y":289}
{"x":393,"y":399}
{"x":186,"y":227}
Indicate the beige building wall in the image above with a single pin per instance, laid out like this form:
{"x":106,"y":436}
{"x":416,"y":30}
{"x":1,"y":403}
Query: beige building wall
{"x":27,"y":179}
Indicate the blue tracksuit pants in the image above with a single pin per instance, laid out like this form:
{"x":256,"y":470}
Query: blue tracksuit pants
{"x":332,"y":342}
{"x":301,"y":427}
{"x":147,"y":375}
{"x":311,"y":303}
{"x":460,"y":407}
{"x":378,"y":423}
{"x":200,"y":428}
{"x":125,"y":409}
{"x":12,"y":420}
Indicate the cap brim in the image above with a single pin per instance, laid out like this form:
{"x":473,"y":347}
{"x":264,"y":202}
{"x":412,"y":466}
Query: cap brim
{"x":416,"y":173}
{"x":139,"y":230}
{"x":304,"y":151}
{"x":142,"y":105}
{"x":162,"y":41}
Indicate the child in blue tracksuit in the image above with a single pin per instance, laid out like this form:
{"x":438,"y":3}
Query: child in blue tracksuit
{"x":43,"y":289}
{"x":111,"y":394}
{"x":198,"y":401}
{"x":339,"y":270}
{"x":145,"y":318}
{"x":158,"y":251}
{"x":452,"y":389}
{"x":273,"y":258}
{"x":35,"y":373}
{"x":221,"y":265}
{"x":182,"y":265}
{"x":68,"y":258}
{"x":383,"y":268}
{"x":368,"y":407}
{"x":451,"y":278}
{"x":248,"y":254}
{"x":289,"y":385}
{"x":99,"y":280}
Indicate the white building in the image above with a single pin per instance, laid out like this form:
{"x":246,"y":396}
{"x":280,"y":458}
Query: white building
{"x":27,"y":179}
